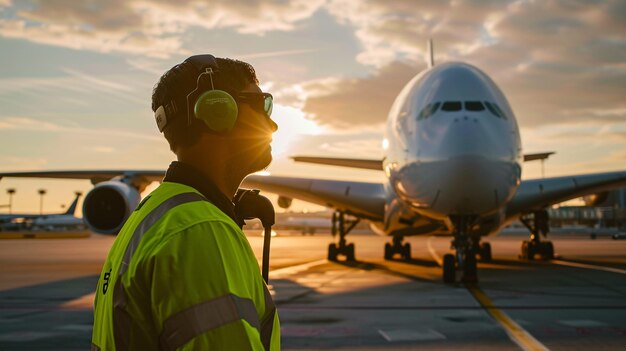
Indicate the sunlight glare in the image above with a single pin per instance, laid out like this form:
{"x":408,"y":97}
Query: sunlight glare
{"x":292,"y":124}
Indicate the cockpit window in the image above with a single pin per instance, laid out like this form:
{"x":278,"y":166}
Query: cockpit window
{"x":429,"y":110}
{"x":494,"y":109}
{"x":474,"y":106}
{"x":499,"y":110}
{"x":451,"y":106}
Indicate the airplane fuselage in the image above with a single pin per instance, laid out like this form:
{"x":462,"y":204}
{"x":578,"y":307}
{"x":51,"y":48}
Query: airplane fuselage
{"x":452,"y":148}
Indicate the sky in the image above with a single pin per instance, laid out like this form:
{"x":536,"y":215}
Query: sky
{"x":76,"y":78}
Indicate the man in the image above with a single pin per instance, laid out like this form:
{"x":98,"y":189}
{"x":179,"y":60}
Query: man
{"x":181,"y":274}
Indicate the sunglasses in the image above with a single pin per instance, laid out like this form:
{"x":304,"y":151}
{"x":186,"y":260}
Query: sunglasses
{"x":261,"y":102}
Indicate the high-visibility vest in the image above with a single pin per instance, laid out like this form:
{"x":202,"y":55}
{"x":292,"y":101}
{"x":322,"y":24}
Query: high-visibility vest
{"x":181,"y":276}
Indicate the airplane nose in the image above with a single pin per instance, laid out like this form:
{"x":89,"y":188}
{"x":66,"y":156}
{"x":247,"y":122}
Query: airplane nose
{"x":474,"y":135}
{"x":468,"y":169}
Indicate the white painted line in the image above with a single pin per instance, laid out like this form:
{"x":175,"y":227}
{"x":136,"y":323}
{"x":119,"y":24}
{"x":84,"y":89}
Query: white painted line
{"x":297,"y":268}
{"x":410,"y":335}
{"x":590,"y":266}
{"x":432,"y":251}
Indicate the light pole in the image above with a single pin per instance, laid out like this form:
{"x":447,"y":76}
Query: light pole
{"x":42,"y":192}
{"x":11,"y":191}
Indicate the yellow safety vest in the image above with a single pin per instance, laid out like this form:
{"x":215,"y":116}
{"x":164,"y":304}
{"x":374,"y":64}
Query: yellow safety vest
{"x":181,"y":276}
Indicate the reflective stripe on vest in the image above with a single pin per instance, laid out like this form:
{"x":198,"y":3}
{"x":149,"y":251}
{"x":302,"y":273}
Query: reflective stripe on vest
{"x":182,"y":327}
{"x":185,"y":325}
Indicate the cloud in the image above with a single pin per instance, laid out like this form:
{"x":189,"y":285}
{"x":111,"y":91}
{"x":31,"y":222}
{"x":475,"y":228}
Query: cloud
{"x":357,"y":102}
{"x":30,"y":124}
{"x":394,"y":29}
{"x":275,"y":53}
{"x":70,"y":88}
{"x":153,"y":28}
{"x":15,"y":163}
{"x":102,"y":149}
{"x":557,"y":61}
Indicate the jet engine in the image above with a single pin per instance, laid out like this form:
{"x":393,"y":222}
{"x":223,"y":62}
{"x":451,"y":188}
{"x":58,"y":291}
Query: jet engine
{"x":284,"y":202}
{"x":108,"y":205}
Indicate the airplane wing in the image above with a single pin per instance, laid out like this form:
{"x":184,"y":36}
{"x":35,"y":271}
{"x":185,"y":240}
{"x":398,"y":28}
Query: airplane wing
{"x":96,"y":176}
{"x":342,"y":162}
{"x":537,"y":194}
{"x":377,"y":165}
{"x":366,"y":200}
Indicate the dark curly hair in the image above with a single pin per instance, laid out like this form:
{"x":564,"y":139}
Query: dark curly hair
{"x":232,"y":77}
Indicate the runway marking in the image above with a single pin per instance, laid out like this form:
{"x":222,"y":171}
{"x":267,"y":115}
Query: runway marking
{"x":518,"y":334}
{"x":297,"y":268}
{"x":590,"y":266}
{"x":432,"y":251}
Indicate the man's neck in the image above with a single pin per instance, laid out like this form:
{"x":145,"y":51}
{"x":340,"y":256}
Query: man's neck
{"x":216,"y":169}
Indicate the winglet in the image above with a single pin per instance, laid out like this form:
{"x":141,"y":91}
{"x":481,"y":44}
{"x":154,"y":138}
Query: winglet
{"x":431,"y":54}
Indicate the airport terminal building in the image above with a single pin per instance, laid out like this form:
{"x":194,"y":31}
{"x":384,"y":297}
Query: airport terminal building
{"x":608,"y":212}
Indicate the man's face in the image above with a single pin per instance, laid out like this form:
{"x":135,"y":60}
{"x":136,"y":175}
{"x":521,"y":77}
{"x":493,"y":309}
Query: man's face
{"x":251,"y":137}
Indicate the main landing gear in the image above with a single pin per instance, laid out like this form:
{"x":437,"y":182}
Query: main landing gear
{"x":342,"y":226}
{"x":466,"y":248}
{"x":538,"y":225}
{"x":404,"y":250}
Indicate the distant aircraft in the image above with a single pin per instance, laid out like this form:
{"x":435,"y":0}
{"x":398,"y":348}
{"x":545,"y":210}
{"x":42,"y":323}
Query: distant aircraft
{"x":306,"y":225}
{"x":452,"y":159}
{"x":44,"y":219}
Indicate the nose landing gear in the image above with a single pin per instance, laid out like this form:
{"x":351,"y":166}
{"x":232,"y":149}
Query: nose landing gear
{"x":538,"y":225}
{"x":465,"y":253}
{"x":342,"y":226}
{"x":398,"y":248}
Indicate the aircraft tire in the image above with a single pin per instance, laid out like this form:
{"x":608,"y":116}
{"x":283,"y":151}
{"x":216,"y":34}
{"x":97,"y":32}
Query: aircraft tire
{"x":527,"y":252}
{"x":350,"y":253}
{"x":407,"y":251}
{"x":547,"y":250}
{"x":470,"y":270}
{"x":332,"y":252}
{"x":449,"y":272}
{"x":485,"y":252}
{"x":388,"y":253}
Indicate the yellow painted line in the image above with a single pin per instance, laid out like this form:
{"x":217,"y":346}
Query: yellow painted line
{"x":432,"y":251}
{"x":518,"y":334}
{"x":590,"y":266}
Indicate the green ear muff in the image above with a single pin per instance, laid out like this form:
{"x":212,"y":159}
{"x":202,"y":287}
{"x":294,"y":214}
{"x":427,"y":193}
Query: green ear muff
{"x":217,"y":109}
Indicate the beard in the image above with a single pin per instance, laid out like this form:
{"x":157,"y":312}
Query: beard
{"x":248,"y":158}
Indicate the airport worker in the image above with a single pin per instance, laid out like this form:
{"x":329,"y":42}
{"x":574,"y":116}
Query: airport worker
{"x":181,"y":274}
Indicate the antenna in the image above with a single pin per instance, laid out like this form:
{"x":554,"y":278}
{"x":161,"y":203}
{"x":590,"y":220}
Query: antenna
{"x":431,"y":49}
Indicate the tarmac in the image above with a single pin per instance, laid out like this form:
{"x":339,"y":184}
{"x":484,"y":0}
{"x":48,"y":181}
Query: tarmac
{"x":575,"y":302}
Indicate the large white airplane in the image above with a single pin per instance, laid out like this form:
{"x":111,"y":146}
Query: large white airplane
{"x":452,"y":159}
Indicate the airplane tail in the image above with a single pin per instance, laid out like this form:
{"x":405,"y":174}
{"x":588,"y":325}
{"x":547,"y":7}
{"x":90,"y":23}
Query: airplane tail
{"x":431,"y":54}
{"x":72,"y":209}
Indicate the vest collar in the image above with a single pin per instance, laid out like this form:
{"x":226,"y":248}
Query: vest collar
{"x":182,"y":173}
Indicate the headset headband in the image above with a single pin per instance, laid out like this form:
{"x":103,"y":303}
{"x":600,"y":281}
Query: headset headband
{"x":206,"y":63}
{"x":202,"y":61}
